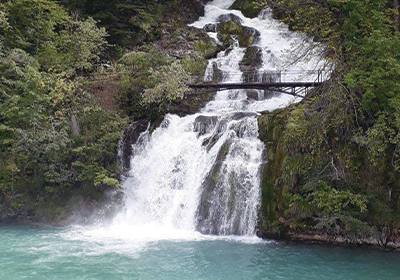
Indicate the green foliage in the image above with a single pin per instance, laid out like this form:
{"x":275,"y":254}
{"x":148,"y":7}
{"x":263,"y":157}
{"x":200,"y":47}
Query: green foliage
{"x":128,"y":22}
{"x":244,"y":34}
{"x":296,"y":127}
{"x":44,"y":29}
{"x":363,"y":17}
{"x":151,"y":81}
{"x":383,"y":140}
{"x":36,"y":126}
{"x":40,"y":153}
{"x":144,"y":20}
{"x":95,"y":155}
{"x":377,"y":73}
{"x":207,"y":49}
{"x":326,"y":200}
{"x":337,"y":162}
{"x":134,"y":22}
{"x":134,"y":69}
{"x":167,"y":84}
{"x":194,"y":65}
{"x":33,"y":23}
{"x":4,"y":25}
{"x":331,"y":201}
{"x":248,"y":7}
{"x":357,"y":34}
{"x":77,"y":47}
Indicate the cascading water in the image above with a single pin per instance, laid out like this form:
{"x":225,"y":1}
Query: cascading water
{"x":201,"y":173}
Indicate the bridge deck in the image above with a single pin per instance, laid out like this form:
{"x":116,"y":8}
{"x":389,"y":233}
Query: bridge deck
{"x":261,"y":86}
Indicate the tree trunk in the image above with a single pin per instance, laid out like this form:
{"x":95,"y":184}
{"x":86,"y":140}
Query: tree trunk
{"x":396,"y":15}
{"x":75,"y":126}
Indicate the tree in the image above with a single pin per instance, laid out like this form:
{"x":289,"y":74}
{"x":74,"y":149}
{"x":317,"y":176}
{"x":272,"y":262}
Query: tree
{"x":41,"y":159}
{"x":77,"y":47}
{"x":33,"y":23}
{"x":168,"y":84}
{"x":396,"y":15}
{"x":3,"y":19}
{"x":60,"y":42}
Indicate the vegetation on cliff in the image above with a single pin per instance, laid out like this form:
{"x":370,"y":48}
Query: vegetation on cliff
{"x":334,"y":160}
{"x":56,"y":142}
{"x":72,"y":73}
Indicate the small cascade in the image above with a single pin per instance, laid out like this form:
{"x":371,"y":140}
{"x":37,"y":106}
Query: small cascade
{"x":202,"y":173}
{"x":230,"y":192}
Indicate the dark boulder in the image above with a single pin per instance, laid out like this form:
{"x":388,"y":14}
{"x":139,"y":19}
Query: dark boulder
{"x":252,"y":59}
{"x":205,"y":124}
{"x":229,"y":31}
{"x":252,"y":94}
{"x":129,"y":138}
{"x":211,"y":27}
{"x":230,"y":17}
{"x":247,"y":7}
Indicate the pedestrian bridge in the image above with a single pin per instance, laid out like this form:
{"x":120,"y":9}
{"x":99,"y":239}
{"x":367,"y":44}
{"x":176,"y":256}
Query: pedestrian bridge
{"x":296,"y":83}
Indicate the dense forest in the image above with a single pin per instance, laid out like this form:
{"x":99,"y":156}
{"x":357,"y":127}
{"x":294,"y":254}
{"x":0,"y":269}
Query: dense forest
{"x":76,"y":74}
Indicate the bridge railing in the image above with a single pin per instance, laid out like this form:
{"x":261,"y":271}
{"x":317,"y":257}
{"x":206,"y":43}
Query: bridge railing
{"x":266,"y":76}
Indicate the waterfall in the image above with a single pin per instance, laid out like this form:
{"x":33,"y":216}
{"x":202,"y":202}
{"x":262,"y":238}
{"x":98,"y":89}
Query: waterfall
{"x":202,"y":172}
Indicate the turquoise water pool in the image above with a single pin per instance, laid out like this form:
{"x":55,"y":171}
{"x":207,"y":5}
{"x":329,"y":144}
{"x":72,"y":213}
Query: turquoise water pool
{"x":32,"y":253}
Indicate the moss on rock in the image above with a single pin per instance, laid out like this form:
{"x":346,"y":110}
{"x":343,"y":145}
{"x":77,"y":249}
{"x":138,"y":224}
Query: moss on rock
{"x":247,"y":7}
{"x":310,"y":193}
{"x":271,"y":129}
{"x":230,"y":28}
{"x":252,"y":59}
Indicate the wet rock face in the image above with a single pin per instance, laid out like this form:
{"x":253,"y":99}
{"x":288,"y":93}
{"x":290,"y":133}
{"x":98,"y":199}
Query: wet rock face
{"x":208,"y":221}
{"x":242,"y":115}
{"x":250,"y":31}
{"x":205,"y":124}
{"x":261,"y":94}
{"x":209,"y":142}
{"x":227,"y":182}
{"x":211,"y":27}
{"x":217,"y":74}
{"x":131,"y":135}
{"x":187,"y":41}
{"x":230,"y":17}
{"x":191,"y":103}
{"x":247,"y":7}
{"x":269,"y":77}
{"x":204,"y":2}
{"x":252,"y":94}
{"x":249,"y":36}
{"x":252,"y":59}
{"x":230,"y":26}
